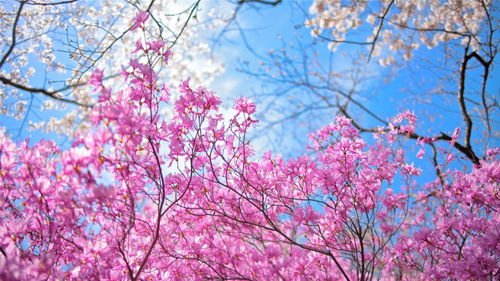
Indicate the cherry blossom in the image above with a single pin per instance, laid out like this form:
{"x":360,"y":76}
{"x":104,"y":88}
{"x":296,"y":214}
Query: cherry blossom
{"x":64,"y":41}
{"x":400,"y":26}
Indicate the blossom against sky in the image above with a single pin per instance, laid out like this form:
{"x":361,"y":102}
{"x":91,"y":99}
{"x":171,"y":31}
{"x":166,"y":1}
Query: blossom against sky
{"x":309,"y":161}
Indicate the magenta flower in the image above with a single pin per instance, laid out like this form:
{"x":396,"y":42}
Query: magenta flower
{"x":139,"y":20}
{"x":156,"y":46}
{"x":96,"y":78}
{"x":180,"y":194}
{"x":245,"y":105}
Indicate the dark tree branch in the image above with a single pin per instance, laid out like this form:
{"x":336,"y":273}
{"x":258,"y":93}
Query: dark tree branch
{"x":467,"y":151}
{"x":436,"y":164}
{"x":265,"y":2}
{"x":191,"y":13}
{"x":486,"y":72}
{"x":422,"y":29}
{"x":463,"y":108}
{"x":51,"y":94}
{"x":3,"y":252}
{"x":382,"y":19}
{"x":35,"y":3}
{"x":13,"y":36}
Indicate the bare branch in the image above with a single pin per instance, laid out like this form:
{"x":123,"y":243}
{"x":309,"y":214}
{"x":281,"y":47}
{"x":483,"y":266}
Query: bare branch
{"x":35,"y":3}
{"x":382,"y":19}
{"x":461,"y":101}
{"x":265,"y":2}
{"x":51,"y":94}
{"x":467,"y":151}
{"x":13,"y":36}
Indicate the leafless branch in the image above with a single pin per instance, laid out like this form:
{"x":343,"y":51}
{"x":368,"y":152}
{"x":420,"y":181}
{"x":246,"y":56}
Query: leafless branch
{"x":382,"y":19}
{"x":265,"y":2}
{"x":51,"y":94}
{"x":13,"y":36}
{"x":467,"y":151}
{"x":35,"y":3}
{"x":463,"y":108}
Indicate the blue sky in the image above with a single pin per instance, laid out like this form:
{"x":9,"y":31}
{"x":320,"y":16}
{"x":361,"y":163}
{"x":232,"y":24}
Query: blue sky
{"x":386,"y":90}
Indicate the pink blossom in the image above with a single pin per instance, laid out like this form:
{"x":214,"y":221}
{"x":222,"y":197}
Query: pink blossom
{"x":156,"y":46}
{"x":455,"y":135}
{"x":96,"y":78}
{"x":450,"y":157}
{"x":139,"y":20}
{"x":420,"y":153}
{"x":184,"y":196}
{"x":245,"y":105}
{"x":138,"y":46}
{"x":166,"y":55}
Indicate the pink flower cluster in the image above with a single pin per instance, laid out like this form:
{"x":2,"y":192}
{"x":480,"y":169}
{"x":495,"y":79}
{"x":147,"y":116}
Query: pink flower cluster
{"x":144,"y":197}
